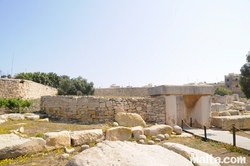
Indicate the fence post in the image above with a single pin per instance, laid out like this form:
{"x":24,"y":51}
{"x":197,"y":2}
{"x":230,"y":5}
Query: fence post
{"x":234,"y":138}
{"x":182,"y":124}
{"x":191,"y":122}
{"x":205,"y":134}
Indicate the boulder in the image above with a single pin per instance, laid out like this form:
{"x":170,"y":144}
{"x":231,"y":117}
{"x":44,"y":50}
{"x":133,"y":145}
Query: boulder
{"x":118,"y":133}
{"x":166,"y":136}
{"x":12,"y":146}
{"x":151,"y":142}
{"x":161,"y":137}
{"x":57,"y":139}
{"x":191,"y":154}
{"x":142,"y":137}
{"x":127,"y":153}
{"x":158,"y":129}
{"x":137,"y":131}
{"x":115,"y":124}
{"x":129,"y":119}
{"x":86,"y":136}
{"x":247,"y":107}
{"x":177,"y":130}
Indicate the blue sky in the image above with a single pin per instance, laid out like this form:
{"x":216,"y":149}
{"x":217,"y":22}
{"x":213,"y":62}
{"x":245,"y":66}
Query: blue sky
{"x":132,"y":42}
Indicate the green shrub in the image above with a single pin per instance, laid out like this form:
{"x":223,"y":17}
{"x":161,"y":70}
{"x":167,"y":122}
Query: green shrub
{"x":222,"y":91}
{"x":15,"y":104}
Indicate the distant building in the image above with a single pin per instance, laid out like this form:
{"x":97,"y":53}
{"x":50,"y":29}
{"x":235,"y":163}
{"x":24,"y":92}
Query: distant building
{"x":232,"y":83}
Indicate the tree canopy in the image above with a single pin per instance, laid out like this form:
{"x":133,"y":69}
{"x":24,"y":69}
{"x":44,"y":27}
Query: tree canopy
{"x":64,"y":84}
{"x":245,"y":77}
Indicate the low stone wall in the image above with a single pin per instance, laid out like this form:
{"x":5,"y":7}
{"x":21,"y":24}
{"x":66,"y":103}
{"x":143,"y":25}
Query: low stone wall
{"x":122,"y":92}
{"x":99,"y":109}
{"x":12,"y":88}
{"x":225,"y":99}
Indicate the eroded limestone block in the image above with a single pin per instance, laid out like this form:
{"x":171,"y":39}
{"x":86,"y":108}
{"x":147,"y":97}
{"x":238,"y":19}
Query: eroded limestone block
{"x":118,"y":133}
{"x":86,"y":136}
{"x":234,"y":112}
{"x":137,"y":131}
{"x":240,"y":121}
{"x":129,"y":119}
{"x":188,"y":153}
{"x":12,"y":146}
{"x":158,"y":129}
{"x":60,"y":139}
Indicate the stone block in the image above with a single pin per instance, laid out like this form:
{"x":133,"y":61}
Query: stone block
{"x":86,"y":136}
{"x":129,"y":119}
{"x":118,"y":133}
{"x":225,"y":122}
{"x":158,"y":129}
{"x":57,"y":139}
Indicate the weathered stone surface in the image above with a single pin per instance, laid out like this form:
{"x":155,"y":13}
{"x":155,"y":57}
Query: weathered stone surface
{"x":127,"y":153}
{"x":188,"y":153}
{"x":151,"y":142}
{"x":44,"y":120}
{"x":141,"y":141}
{"x":224,"y":113}
{"x":115,"y":124}
{"x":218,"y":107}
{"x":248,"y":108}
{"x":225,"y":122}
{"x":129,"y":119}
{"x":180,"y":90}
{"x":12,"y":146}
{"x":31,"y":116}
{"x":234,"y":112}
{"x":142,"y":137}
{"x":137,"y":131}
{"x":86,"y":136}
{"x":118,"y":133}
{"x":177,"y":130}
{"x":166,"y":136}
{"x":16,"y":116}
{"x":59,"y":139}
{"x":161,"y":137}
{"x":84,"y":147}
{"x":158,"y":129}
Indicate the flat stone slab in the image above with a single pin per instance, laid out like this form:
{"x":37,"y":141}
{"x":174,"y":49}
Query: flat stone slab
{"x":181,"y":90}
{"x":12,"y":146}
{"x":226,"y":122}
{"x":119,"y":153}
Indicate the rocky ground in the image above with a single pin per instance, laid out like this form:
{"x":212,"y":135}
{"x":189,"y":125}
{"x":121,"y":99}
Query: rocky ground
{"x":28,"y":127}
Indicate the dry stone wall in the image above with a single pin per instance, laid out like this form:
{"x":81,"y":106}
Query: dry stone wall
{"x":11,"y":88}
{"x":127,"y":91}
{"x":100,"y":109}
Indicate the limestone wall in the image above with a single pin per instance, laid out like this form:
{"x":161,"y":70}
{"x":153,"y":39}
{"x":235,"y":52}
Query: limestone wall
{"x":11,"y":88}
{"x":99,"y":109}
{"x":225,"y":99}
{"x":122,"y":92}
